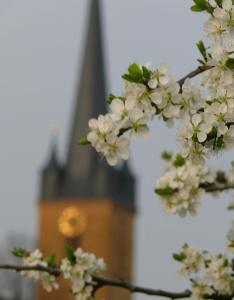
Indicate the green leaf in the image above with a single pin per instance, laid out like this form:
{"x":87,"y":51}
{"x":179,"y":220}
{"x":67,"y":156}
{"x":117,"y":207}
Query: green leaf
{"x":20,"y":252}
{"x":84,"y":141}
{"x":219,"y":143}
{"x":128,"y":78}
{"x":167,"y":191}
{"x":201,"y":61}
{"x":135,"y":74}
{"x":201,"y":3}
{"x":70,"y":253}
{"x":232,"y":163}
{"x":219,"y":2}
{"x":111,"y":97}
{"x":196,"y":8}
{"x":226,"y":262}
{"x":202,"y":49}
{"x":146,"y":73}
{"x":166,"y":155}
{"x":51,"y":260}
{"x":179,"y":161}
{"x":179,"y":256}
{"x":135,"y":70}
{"x":230,"y":63}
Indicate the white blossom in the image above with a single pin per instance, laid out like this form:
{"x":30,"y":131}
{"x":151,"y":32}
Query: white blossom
{"x":47,"y":280}
{"x":210,"y":274}
{"x":179,"y":188}
{"x":80,"y":273}
{"x":192,"y":261}
{"x":160,"y":77}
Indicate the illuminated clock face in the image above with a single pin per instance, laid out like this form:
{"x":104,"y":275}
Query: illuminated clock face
{"x":72,"y":222}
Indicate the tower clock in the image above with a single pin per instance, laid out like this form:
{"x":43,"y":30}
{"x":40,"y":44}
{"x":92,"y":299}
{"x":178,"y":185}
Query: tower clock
{"x":84,"y":202}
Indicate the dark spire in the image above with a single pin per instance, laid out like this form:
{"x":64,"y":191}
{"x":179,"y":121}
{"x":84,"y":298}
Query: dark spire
{"x":85,"y":174}
{"x":53,"y":159}
{"x":52,"y":172}
{"x":91,"y":98}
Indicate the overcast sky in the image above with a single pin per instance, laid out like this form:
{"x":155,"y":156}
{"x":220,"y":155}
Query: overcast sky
{"x":40,"y":52}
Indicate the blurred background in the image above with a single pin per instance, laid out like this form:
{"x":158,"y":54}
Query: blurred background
{"x":41,"y":52}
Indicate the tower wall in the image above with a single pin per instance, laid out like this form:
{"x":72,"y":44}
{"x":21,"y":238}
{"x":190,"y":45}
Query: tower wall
{"x":108,"y":234}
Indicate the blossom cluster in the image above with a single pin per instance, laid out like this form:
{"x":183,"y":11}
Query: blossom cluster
{"x":80,"y":268}
{"x":206,"y":112}
{"x":184,"y":182}
{"x":148,"y":93}
{"x":230,"y":237}
{"x":211,"y":275}
{"x":211,"y":127}
{"x":33,"y":259}
{"x":180,"y":187}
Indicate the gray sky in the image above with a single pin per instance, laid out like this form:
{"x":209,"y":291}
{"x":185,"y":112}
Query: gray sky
{"x":40,"y":53}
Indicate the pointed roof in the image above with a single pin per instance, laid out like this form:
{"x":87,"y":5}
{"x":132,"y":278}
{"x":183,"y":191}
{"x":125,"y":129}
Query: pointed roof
{"x":52,"y":158}
{"x":91,"y":98}
{"x":85,"y":174}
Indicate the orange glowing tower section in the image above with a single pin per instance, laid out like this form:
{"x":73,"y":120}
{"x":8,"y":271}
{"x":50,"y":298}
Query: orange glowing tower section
{"x":84,"y":202}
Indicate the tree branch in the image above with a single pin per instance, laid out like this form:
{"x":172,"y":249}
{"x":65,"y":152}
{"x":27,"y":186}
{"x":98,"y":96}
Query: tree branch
{"x":51,"y":270}
{"x":101,"y":282}
{"x":211,"y":188}
{"x":136,"y":289}
{"x":194,"y":73}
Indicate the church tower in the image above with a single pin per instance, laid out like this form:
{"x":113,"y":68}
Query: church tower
{"x":84,"y":202}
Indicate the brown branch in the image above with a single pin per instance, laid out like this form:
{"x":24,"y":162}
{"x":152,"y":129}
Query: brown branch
{"x":211,"y":188}
{"x":101,"y":282}
{"x":194,"y":73}
{"x":51,"y":270}
{"x":136,"y":289}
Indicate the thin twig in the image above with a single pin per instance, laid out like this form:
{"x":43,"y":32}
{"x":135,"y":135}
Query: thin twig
{"x":136,"y":289}
{"x":101,"y":282}
{"x":211,"y":188}
{"x":194,"y":73}
{"x":51,"y":270}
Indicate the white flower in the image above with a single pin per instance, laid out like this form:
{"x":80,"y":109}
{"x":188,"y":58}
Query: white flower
{"x":159,"y":77}
{"x":100,"y":128}
{"x":192,"y":261}
{"x":220,"y":274}
{"x":209,"y":274}
{"x":200,"y":289}
{"x":179,"y":187}
{"x":81,"y":273}
{"x":214,"y":28}
{"x":230,"y":234}
{"x":115,"y":147}
{"x":47,"y":280}
{"x":33,"y":259}
{"x":227,"y":5}
{"x":134,"y":90}
{"x":121,"y":109}
{"x":138,"y":123}
{"x":157,"y":98}
{"x":198,"y":127}
{"x":66,"y":268}
{"x":215,"y":113}
{"x":225,"y":12}
{"x":167,"y":99}
{"x":191,"y":98}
